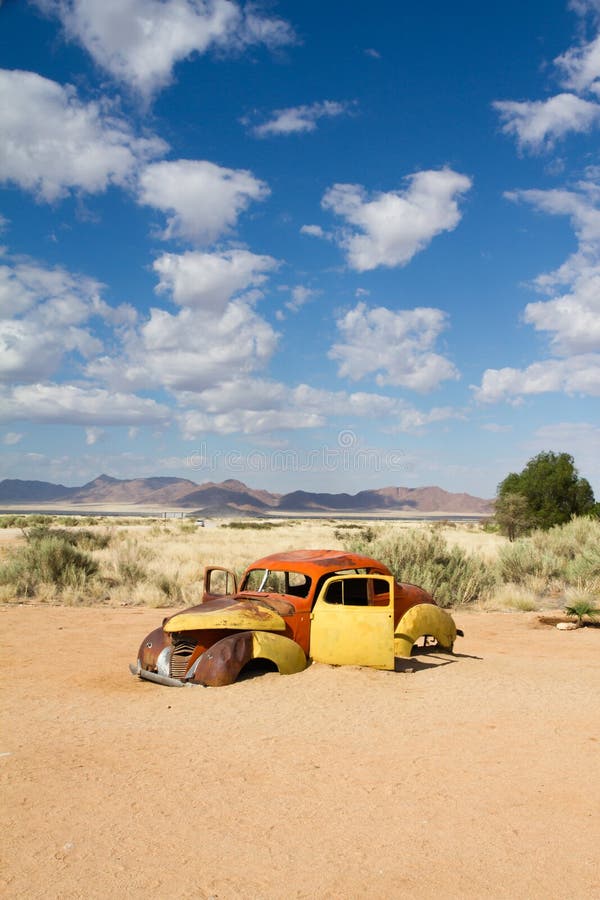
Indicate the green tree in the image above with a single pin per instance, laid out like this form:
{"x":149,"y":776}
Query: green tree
{"x":553,"y":488}
{"x":511,"y":512}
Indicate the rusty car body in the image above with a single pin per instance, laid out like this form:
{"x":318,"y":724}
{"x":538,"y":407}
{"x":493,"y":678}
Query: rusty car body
{"x":329,"y":606}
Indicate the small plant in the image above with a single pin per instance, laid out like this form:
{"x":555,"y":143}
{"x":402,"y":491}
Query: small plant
{"x":581,"y":609}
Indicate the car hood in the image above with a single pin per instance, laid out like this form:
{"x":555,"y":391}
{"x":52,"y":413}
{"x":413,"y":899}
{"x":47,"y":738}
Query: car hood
{"x":237,"y":613}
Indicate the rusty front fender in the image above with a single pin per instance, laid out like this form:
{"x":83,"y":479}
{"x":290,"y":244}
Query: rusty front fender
{"x":222,"y":663}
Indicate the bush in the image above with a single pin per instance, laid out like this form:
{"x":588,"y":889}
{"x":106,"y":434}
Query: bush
{"x":47,"y":560}
{"x":84,"y":539}
{"x":256,"y":526}
{"x":569,"y":554}
{"x":424,"y":558}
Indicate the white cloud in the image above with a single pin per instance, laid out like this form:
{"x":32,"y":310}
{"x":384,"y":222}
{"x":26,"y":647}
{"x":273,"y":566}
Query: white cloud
{"x":538,"y":124}
{"x":583,"y":7}
{"x":300,"y":119}
{"x":11,"y":438}
{"x":255,"y":406}
{"x":93,"y":435}
{"x":140,"y":41}
{"x":581,"y":66}
{"x":44,"y":315}
{"x":300,"y":297}
{"x":29,"y":351}
{"x":210,"y":280}
{"x":189,"y":351}
{"x":581,"y":207}
{"x":398,"y":346}
{"x":202,"y":200}
{"x":576,"y":375}
{"x":571,"y":315}
{"x":53,"y":143}
{"x":573,"y":319}
{"x":394,"y":226}
{"x":313,"y":231}
{"x":72,"y":405}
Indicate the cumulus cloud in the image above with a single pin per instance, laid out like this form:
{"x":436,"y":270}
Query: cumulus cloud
{"x":575,"y":375}
{"x":581,"y":206}
{"x":210,"y":280}
{"x":538,"y":124}
{"x":573,"y":318}
{"x":256,"y":406}
{"x":390,"y":228}
{"x":67,"y":404}
{"x":313,"y":231}
{"x":570,"y":315}
{"x":53,"y":143}
{"x":44,"y":315}
{"x":139,"y":41}
{"x":202,"y":200}
{"x":581,"y":67}
{"x":29,"y":351}
{"x":301,"y":295}
{"x":190,"y":350}
{"x":299,"y":119}
{"x":396,"y":347}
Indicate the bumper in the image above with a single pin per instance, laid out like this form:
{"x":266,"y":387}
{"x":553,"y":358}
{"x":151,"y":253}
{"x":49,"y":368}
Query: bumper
{"x":158,"y":679}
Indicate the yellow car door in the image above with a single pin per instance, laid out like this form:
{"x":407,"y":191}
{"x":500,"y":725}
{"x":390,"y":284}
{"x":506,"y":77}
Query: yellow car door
{"x":353,"y":622}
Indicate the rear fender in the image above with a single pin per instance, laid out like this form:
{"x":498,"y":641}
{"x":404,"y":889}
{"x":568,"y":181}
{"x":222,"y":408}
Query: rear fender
{"x":420,"y":620}
{"x":222,"y":663}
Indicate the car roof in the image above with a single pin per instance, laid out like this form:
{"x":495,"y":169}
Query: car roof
{"x":319,"y":561}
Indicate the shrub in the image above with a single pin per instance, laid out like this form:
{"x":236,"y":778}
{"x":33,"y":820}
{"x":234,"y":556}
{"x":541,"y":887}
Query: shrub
{"x":84,"y":539}
{"x":128,"y":566}
{"x":424,"y":558}
{"x":170,"y":587}
{"x":256,"y":526}
{"x":566,"y":555}
{"x":50,"y":560}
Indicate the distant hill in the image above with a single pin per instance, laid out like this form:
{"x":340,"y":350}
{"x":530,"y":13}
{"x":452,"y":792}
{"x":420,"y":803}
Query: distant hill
{"x":232,"y":497}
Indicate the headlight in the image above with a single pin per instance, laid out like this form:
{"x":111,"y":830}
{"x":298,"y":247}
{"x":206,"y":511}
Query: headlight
{"x":163,"y":663}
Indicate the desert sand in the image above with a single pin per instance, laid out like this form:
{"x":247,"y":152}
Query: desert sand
{"x":471,"y":776}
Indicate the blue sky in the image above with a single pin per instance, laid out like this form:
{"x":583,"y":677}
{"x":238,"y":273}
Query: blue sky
{"x":305,"y":245}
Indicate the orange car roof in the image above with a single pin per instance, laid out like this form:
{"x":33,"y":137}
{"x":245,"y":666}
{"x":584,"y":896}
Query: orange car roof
{"x":319,"y":561}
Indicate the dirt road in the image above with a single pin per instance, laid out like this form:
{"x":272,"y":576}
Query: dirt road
{"x":474,"y":776}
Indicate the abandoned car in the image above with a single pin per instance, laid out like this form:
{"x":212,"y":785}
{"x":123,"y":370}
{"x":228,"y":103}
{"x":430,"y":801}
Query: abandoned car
{"x":329,"y":606}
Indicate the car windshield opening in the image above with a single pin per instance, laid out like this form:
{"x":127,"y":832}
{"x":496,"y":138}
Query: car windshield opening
{"x":274,"y":581}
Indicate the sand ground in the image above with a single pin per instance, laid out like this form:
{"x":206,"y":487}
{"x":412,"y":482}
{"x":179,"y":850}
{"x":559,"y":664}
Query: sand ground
{"x":474,"y":776}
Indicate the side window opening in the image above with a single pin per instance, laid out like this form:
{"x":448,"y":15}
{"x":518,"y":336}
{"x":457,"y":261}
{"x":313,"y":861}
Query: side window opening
{"x":352,"y":592}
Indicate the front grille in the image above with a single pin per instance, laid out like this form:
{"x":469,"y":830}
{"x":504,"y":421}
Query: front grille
{"x":180,"y":657}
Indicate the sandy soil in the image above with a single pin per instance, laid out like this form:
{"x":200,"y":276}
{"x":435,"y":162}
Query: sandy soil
{"x":474,"y":776}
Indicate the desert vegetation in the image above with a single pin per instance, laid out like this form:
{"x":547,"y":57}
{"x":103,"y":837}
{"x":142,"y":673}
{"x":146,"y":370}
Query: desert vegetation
{"x":549,"y":491}
{"x":159,"y":562}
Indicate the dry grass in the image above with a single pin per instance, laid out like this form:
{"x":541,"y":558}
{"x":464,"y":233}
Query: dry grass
{"x":160,"y":563}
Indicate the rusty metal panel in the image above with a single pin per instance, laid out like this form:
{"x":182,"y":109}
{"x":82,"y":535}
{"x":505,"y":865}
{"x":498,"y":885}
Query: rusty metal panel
{"x":241,"y":615}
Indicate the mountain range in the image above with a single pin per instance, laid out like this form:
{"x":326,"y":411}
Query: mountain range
{"x":233,"y":497}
